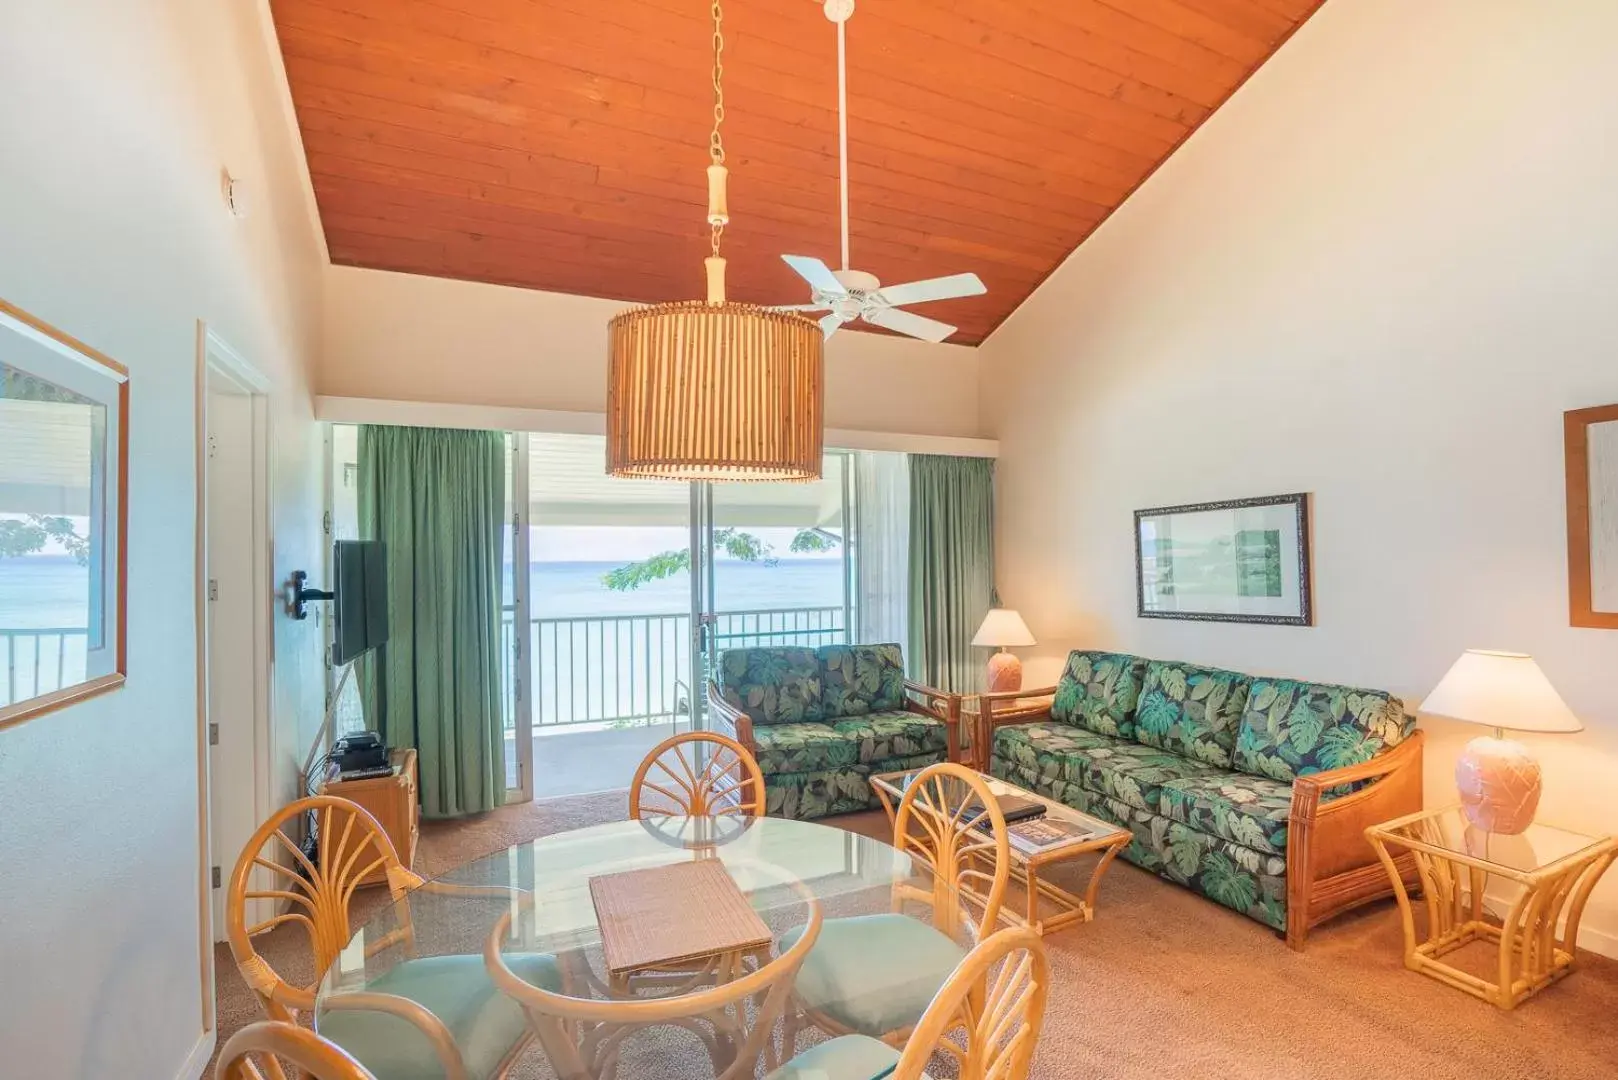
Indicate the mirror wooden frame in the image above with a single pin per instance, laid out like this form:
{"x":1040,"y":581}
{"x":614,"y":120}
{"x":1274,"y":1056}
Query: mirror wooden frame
{"x":1576,"y":424}
{"x":17,"y":322}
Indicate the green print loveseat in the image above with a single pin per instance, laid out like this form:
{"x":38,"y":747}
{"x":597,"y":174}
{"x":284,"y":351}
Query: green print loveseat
{"x":1250,"y":790}
{"x":821,"y":721}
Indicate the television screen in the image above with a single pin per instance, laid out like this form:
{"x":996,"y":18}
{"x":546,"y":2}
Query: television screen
{"x":361,"y":604}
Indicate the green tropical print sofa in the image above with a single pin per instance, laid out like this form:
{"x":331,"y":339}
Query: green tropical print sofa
{"x":1231,"y":784}
{"x":822,"y":721}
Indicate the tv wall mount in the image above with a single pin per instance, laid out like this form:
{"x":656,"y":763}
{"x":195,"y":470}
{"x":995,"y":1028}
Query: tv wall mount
{"x":299,"y":595}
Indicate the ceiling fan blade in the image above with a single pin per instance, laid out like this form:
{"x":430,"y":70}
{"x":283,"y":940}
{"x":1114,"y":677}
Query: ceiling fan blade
{"x":830,"y":323}
{"x":938,"y":288}
{"x":816,"y":273}
{"x":905,"y":322}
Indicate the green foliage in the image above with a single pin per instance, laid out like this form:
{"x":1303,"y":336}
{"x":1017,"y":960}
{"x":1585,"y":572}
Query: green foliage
{"x":740,"y":545}
{"x":32,"y":533}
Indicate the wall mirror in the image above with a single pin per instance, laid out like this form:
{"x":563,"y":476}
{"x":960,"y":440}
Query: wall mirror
{"x":64,"y":430}
{"x":1591,"y":437}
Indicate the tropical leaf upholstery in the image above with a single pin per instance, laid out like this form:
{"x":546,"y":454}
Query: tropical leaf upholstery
{"x":773,"y":686}
{"x":836,"y":744}
{"x":1192,"y":711}
{"x":1248,"y":810}
{"x":1291,"y":729}
{"x":1099,"y":691}
{"x":1201,"y":768}
{"x":1250,"y":881}
{"x":1134,"y":774}
{"x":860,"y":679}
{"x":825,"y":720}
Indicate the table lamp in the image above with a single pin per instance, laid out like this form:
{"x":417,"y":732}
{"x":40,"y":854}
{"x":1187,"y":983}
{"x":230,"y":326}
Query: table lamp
{"x":1498,"y":777}
{"x":1003,"y":628}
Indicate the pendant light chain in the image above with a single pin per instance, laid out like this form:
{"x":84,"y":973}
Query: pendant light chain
{"x":716,"y":143}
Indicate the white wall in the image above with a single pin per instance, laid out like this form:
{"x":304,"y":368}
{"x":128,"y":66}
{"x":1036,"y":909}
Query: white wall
{"x":1379,"y":274}
{"x":411,"y":338}
{"x":115,"y":120}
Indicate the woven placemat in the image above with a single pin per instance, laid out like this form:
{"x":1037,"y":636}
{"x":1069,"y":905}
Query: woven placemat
{"x":664,"y":915}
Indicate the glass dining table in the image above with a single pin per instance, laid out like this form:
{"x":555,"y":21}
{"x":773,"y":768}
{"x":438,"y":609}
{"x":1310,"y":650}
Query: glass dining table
{"x":531,"y":914}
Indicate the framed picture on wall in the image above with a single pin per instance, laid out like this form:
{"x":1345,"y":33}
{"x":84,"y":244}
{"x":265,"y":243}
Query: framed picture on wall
{"x":64,"y":429}
{"x":1245,"y":560}
{"x":1591,"y":440}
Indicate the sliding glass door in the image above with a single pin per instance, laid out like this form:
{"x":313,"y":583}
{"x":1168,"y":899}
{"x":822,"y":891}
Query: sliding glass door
{"x":777,"y":564}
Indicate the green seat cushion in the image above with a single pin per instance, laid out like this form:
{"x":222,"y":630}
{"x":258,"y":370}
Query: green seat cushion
{"x":484,"y":1023}
{"x":1099,"y":691}
{"x":861,"y":679}
{"x":1291,"y":729}
{"x":1054,"y":751}
{"x":772,"y":685}
{"x":847,"y":1057}
{"x":809,"y":795}
{"x":874,"y":974}
{"x":1134,"y":774}
{"x":835,"y":744}
{"x":1192,"y":711}
{"x":1252,"y":811}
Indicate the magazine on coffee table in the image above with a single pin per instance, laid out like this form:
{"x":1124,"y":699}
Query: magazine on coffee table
{"x":1040,"y":833}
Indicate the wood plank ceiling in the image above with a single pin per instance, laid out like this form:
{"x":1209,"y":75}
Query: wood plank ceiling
{"x":560,"y":144}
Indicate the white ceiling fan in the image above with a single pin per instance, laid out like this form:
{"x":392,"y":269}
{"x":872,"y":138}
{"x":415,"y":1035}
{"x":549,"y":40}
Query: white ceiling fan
{"x":848,"y":294}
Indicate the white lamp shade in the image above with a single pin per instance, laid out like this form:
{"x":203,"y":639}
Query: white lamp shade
{"x":1500,"y":690}
{"x":1003,"y":628}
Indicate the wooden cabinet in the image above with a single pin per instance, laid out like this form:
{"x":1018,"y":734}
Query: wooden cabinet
{"x":392,"y":801}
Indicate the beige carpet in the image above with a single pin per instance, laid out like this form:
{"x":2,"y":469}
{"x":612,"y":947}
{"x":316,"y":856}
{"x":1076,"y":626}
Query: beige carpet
{"x":1167,"y":985}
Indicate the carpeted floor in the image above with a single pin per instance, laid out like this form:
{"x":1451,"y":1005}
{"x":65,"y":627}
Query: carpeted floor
{"x":1166,"y":985}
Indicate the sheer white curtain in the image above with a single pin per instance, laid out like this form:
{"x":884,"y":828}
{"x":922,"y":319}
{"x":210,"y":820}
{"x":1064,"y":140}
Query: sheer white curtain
{"x":882,"y":502}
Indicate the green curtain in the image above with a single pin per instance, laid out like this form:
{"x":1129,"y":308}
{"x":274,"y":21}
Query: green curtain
{"x":437,"y":499}
{"x":951,"y":566}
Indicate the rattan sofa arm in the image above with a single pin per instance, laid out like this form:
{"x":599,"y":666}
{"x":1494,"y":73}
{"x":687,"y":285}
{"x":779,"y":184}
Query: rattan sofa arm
{"x":729,"y":719}
{"x":449,"y":1055}
{"x":1307,"y":791}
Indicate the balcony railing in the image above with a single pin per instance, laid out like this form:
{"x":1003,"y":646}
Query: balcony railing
{"x":34,"y":662}
{"x":636,"y":669}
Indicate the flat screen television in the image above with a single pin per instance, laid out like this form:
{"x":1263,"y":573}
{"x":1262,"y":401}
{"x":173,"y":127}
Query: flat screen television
{"x":361,"y":603}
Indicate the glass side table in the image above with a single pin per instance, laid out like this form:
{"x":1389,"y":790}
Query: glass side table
{"x":977,"y":734}
{"x":1543,"y":876}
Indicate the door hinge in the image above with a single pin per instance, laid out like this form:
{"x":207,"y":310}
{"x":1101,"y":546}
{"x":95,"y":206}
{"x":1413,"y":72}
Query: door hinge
{"x":516,"y":683}
{"x":325,"y":523}
{"x":213,"y":446}
{"x":215,"y":875}
{"x":213,"y":588}
{"x":213,"y":734}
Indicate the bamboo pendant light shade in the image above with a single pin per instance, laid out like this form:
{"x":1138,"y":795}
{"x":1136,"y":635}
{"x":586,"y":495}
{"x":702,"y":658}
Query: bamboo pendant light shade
{"x":700,"y":391}
{"x":710,"y":390}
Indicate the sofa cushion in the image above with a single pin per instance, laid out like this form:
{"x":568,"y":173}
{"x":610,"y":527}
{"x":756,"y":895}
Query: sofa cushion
{"x":790,"y":748}
{"x":807,"y":795}
{"x":861,"y":679}
{"x":773,"y":686}
{"x":1134,"y":774}
{"x":1192,"y":711}
{"x":1099,"y":691}
{"x":1252,"y":811}
{"x":1053,"y":751}
{"x":1291,"y":728}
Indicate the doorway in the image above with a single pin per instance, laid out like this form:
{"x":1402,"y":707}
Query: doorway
{"x":236,"y":597}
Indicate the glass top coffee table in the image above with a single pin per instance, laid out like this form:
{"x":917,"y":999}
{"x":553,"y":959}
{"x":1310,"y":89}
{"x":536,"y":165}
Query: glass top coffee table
{"x":1062,"y":834}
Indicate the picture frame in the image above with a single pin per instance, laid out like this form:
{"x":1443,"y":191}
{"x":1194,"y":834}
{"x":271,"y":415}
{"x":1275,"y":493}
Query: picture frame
{"x":64,"y":487}
{"x":1240,"y":560}
{"x":1590,"y":443}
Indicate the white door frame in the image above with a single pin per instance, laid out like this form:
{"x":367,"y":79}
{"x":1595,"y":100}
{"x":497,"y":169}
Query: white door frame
{"x":216,"y":361}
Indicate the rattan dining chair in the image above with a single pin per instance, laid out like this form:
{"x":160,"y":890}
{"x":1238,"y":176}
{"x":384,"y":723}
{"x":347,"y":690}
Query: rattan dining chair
{"x":394,"y":1022}
{"x":697,"y":774}
{"x":257,"y":1052}
{"x":987,"y":1017}
{"x":584,"y":1035}
{"x":874,"y":974}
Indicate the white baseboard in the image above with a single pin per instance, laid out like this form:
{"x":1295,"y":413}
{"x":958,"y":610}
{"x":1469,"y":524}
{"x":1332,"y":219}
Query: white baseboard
{"x":197,"y":1060}
{"x":1601,"y":940}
